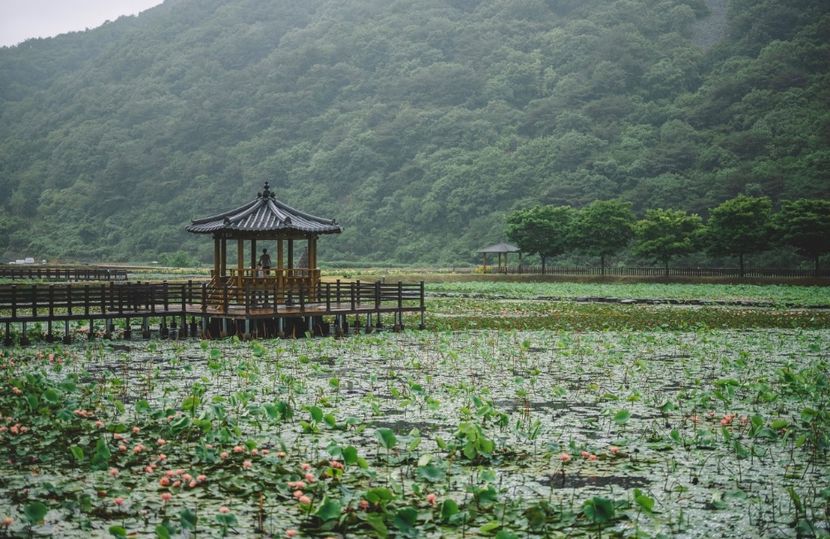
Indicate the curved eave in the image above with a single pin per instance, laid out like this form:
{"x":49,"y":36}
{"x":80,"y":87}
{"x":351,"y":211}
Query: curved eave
{"x":220,"y":226}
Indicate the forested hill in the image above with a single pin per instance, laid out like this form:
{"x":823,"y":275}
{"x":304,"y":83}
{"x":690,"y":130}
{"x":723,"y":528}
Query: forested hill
{"x":418,"y":124}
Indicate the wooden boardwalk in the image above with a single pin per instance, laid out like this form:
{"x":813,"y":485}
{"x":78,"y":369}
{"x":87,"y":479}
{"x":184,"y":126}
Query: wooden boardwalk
{"x":192,"y":309}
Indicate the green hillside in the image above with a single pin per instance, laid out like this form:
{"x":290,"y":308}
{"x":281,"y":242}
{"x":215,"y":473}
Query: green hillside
{"x":418,"y":124}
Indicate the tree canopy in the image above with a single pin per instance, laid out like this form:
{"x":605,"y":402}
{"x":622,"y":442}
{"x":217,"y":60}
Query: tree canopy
{"x":664,"y":234}
{"x":740,"y":226}
{"x":542,"y":230}
{"x":404,"y":120}
{"x":805,"y":225}
{"x":603,"y":228}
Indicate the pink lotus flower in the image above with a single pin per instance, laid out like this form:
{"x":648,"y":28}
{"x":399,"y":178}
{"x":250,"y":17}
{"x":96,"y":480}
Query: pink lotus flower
{"x":224,"y":510}
{"x":164,"y":481}
{"x":149,"y":469}
{"x":162,"y":457}
{"x":564,"y":457}
{"x":192,"y":484}
{"x":18,"y":391}
{"x":305,"y":500}
{"x":114,"y":472}
{"x":166,"y":497}
{"x":432,"y":499}
{"x":254,"y":452}
{"x":585,"y":454}
{"x":161,"y":441}
{"x":238,"y":449}
{"x":201,"y":478}
{"x":119,"y":501}
{"x":177,"y":483}
{"x":117,"y":436}
{"x":297,"y":494}
{"x":336,"y":464}
{"x":614,"y":449}
{"x":223,"y":455}
{"x":99,"y":424}
{"x":310,"y":477}
{"x":138,"y":449}
{"x":265,"y":452}
{"x":169,"y":473}
{"x":290,"y":533}
{"x":592,"y":457}
{"x":305,"y":466}
{"x":187,"y":477}
{"x":136,"y":430}
{"x":122,"y":448}
{"x":247,"y":464}
{"x":364,"y":505}
{"x":7,"y":521}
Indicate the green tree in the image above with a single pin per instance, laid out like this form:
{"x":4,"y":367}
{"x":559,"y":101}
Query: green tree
{"x":805,"y":225}
{"x":663,"y":234}
{"x":542,"y":230}
{"x":740,"y":226}
{"x":603,"y":227}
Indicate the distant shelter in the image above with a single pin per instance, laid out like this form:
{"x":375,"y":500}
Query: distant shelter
{"x":502,"y":250}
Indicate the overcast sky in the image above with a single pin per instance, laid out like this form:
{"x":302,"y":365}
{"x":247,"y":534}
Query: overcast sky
{"x":23,"y":19}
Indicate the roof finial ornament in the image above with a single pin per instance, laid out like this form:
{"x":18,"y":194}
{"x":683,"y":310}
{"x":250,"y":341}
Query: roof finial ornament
{"x":266,"y":190}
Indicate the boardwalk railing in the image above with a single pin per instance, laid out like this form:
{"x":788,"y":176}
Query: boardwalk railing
{"x":655,"y":271}
{"x":49,"y":303}
{"x":54,"y":273}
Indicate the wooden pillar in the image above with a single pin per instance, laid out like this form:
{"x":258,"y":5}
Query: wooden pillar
{"x":280,"y":263}
{"x":290,"y":254}
{"x":253,"y":254}
{"x":223,"y":258}
{"x":240,"y":256}
{"x":312,"y":252}
{"x":217,"y":255}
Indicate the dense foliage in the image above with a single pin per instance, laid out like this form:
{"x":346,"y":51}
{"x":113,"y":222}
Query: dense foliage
{"x":419,"y":125}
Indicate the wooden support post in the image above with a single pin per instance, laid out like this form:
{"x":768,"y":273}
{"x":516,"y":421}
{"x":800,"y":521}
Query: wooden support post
{"x":240,"y":261}
{"x":290,"y":254}
{"x":204,"y":298}
{"x":165,"y":293}
{"x":280,"y":259}
{"x":67,"y":337}
{"x":217,"y":255}
{"x":400,"y":304}
{"x":423,"y":307}
{"x":328,"y":298}
{"x":253,"y":255}
{"x":24,"y":334}
{"x":223,"y":258}
{"x":128,"y":329}
{"x":34,"y":300}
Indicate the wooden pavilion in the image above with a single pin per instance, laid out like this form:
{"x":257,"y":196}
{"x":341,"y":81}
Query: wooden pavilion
{"x":502,"y":249}
{"x":264,"y":222}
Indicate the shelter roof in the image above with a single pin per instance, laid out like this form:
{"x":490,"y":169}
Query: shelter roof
{"x":500,"y":248}
{"x":265,"y":214}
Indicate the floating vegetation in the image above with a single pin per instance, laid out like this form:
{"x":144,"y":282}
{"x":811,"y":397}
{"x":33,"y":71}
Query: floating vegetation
{"x":471,"y":433}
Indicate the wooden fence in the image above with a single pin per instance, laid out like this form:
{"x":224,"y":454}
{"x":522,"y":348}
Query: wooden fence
{"x":655,"y":271}
{"x":54,"y":273}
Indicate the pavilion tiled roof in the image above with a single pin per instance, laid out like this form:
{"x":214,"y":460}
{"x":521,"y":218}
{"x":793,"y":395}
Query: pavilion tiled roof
{"x":265,"y":214}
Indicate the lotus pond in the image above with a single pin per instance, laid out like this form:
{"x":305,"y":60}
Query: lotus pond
{"x":466,"y":433}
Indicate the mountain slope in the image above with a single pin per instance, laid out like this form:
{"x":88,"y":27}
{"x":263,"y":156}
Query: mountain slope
{"x":417,"y":124}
